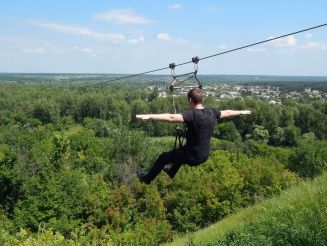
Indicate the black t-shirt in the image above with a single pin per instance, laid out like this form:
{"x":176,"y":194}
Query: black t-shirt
{"x":200,"y":125}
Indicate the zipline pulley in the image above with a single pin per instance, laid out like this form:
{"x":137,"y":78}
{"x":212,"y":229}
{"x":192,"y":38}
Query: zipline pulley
{"x":183,"y":80}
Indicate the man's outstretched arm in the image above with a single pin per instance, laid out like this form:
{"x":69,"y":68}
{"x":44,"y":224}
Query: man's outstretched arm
{"x":233,"y":113}
{"x":161,"y":117}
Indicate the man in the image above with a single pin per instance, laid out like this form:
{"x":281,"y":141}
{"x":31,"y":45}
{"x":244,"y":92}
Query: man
{"x":200,"y":123}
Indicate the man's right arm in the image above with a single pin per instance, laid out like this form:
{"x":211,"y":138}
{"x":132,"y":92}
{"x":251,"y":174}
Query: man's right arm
{"x":233,"y":113}
{"x":161,"y":117}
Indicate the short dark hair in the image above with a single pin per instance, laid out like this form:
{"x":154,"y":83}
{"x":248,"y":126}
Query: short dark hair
{"x":196,"y":95}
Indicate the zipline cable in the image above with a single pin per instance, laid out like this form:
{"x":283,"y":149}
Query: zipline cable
{"x":261,"y":42}
{"x":210,"y":56}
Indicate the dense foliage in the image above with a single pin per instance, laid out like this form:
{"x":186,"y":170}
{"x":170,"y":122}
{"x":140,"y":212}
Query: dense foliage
{"x":297,"y":216}
{"x":69,"y":154}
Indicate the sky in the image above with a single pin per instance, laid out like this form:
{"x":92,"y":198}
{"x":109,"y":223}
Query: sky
{"x":129,"y":36}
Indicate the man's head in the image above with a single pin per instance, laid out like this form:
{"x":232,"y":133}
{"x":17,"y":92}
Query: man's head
{"x":195,"y":97}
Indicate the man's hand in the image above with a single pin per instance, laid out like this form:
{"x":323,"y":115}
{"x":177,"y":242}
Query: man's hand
{"x":245,"y":112}
{"x":143,"y":116}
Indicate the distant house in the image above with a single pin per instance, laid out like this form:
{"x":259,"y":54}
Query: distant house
{"x":273,"y":102}
{"x":162,"y":94}
{"x":315,"y":92}
{"x":307,"y":90}
{"x":234,"y":94}
{"x":224,"y":96}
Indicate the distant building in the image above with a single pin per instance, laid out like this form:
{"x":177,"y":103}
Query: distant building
{"x":273,"y":102}
{"x":162,"y":94}
{"x":307,"y":90}
{"x":224,"y":96}
{"x":315,"y":92}
{"x":235,"y":94}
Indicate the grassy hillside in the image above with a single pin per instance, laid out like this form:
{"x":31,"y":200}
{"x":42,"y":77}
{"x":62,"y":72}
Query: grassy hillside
{"x":296,"y":217}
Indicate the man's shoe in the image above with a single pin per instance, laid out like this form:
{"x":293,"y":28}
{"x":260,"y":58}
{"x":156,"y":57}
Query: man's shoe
{"x":142,"y":177}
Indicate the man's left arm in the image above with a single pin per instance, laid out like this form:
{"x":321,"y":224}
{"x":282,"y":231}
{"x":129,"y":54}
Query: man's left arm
{"x":233,"y":113}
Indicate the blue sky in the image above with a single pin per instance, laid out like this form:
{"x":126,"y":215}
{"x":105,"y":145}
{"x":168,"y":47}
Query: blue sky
{"x":98,"y":36}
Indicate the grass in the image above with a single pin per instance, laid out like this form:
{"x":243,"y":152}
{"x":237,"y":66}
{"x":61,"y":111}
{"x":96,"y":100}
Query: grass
{"x":298,"y":216}
{"x":166,"y":139}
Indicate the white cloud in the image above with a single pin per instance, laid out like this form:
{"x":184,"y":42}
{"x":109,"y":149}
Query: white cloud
{"x":78,"y":30}
{"x":139,"y":40}
{"x":222,"y":46}
{"x":289,"y":41}
{"x":121,"y":16}
{"x":10,"y":39}
{"x":254,"y":50}
{"x":36,"y":50}
{"x":314,"y":46}
{"x":176,"y":6}
{"x":88,"y":51}
{"x":30,"y":41}
{"x":164,"y":37}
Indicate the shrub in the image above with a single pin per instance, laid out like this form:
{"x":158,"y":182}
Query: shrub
{"x":309,"y":158}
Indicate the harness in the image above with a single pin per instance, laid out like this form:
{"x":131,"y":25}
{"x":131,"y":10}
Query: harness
{"x":180,"y":135}
{"x":181,"y":82}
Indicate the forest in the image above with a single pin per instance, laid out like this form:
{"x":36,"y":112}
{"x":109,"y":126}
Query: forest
{"x":69,"y":155}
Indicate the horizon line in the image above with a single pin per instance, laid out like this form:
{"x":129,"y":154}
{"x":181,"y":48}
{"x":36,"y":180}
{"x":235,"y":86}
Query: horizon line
{"x":209,"y":74}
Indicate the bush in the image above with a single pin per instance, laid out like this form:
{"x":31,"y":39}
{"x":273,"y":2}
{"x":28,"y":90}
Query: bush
{"x":309,"y":158}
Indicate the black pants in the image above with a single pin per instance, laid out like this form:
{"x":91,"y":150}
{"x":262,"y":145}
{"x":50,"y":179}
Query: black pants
{"x":176,"y":157}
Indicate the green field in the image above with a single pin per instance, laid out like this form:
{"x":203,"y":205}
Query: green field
{"x":296,"y":217}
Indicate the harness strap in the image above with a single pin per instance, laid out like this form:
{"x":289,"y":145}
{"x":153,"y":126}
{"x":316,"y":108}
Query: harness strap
{"x":179,"y":137}
{"x":180,"y":80}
